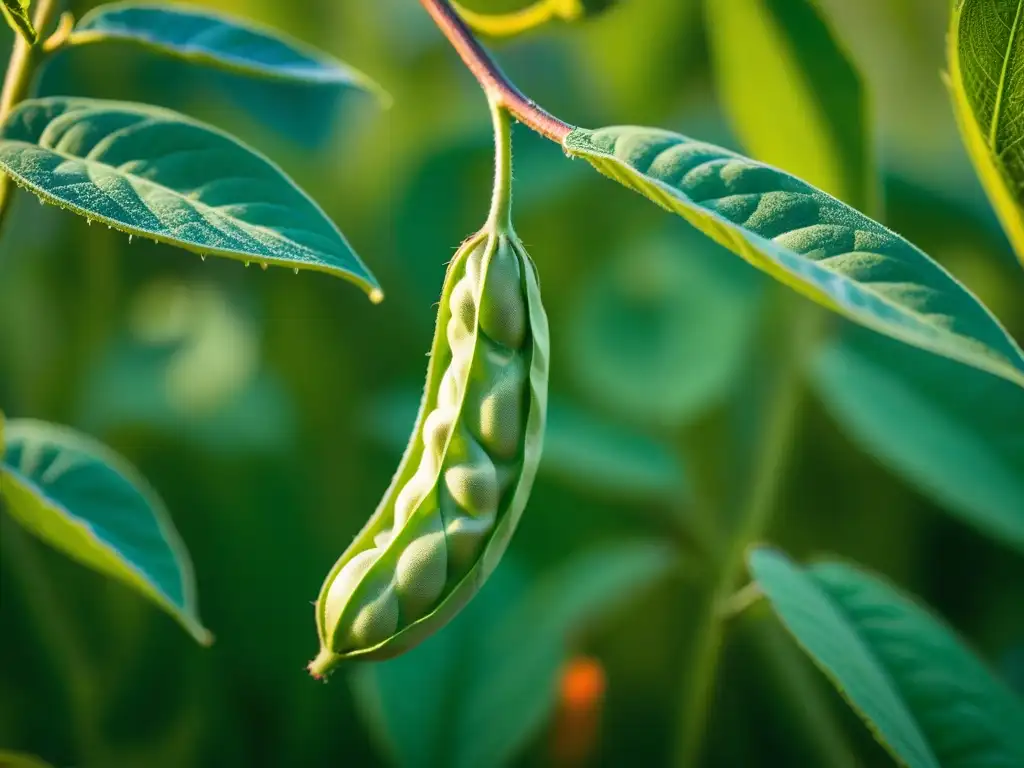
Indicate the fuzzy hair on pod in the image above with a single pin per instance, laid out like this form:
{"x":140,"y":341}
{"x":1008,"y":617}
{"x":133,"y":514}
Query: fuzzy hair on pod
{"x":465,"y":477}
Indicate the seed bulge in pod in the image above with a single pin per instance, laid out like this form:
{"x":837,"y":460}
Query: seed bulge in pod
{"x":502,"y":309}
{"x":436,"y":429}
{"x":422,"y":570}
{"x":448,"y":391}
{"x":377,"y":620}
{"x":414,"y":492}
{"x":472,"y":481}
{"x":344,"y":584}
{"x":499,"y":391}
{"x":463,"y":304}
{"x":464,"y":535}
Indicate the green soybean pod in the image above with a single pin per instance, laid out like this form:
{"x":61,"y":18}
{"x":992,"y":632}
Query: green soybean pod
{"x":465,"y":477}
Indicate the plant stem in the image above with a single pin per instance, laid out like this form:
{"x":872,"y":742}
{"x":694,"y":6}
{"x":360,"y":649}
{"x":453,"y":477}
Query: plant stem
{"x":21,"y":69}
{"x":496,"y":85}
{"x":501,"y":200}
{"x":523,"y":20}
{"x":776,"y":431}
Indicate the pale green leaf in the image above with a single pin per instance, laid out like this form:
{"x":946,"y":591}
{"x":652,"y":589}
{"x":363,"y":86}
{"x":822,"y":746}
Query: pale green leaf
{"x":81,"y":498}
{"x":20,"y":760}
{"x":476,"y":692}
{"x":215,"y":39}
{"x":807,"y":240}
{"x":158,"y":174}
{"x":953,"y":432}
{"x":18,"y":18}
{"x":986,"y":84}
{"x":660,"y":333}
{"x":581,"y":450}
{"x":839,"y":614}
{"x":819,"y":128}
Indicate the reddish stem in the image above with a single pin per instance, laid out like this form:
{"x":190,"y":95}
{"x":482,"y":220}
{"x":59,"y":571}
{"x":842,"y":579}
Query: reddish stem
{"x":499,"y":89}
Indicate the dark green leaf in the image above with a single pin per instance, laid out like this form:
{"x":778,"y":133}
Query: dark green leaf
{"x":84,"y":500}
{"x":478,"y":690}
{"x":807,"y":240}
{"x":819,"y":127}
{"x":16,"y":13}
{"x":927,"y":697}
{"x":218,"y":40}
{"x":954,"y":432}
{"x":986,"y":84}
{"x":156,"y":173}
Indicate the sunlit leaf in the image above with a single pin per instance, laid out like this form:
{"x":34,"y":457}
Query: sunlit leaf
{"x":954,"y":432}
{"x":214,"y":39}
{"x":660,"y":333}
{"x":581,"y":450}
{"x":20,"y":760}
{"x":17,"y":15}
{"x":476,"y":692}
{"x":928,"y":698}
{"x":806,"y":239}
{"x":158,"y":174}
{"x":819,"y":128}
{"x":986,"y":85}
{"x":81,"y":498}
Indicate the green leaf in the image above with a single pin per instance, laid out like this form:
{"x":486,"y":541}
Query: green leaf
{"x":660,"y":333}
{"x":953,"y":432}
{"x":496,"y":666}
{"x":819,"y":126}
{"x":986,"y":85}
{"x":16,"y":13}
{"x":20,"y":760}
{"x":581,"y":450}
{"x":923,"y":693}
{"x":218,"y":40}
{"x":807,"y":240}
{"x":153,"y":172}
{"x":81,"y":498}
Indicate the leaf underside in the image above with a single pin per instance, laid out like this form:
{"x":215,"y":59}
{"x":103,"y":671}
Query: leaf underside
{"x":986,"y":83}
{"x":807,"y":240}
{"x":153,"y":172}
{"x":82,"y":499}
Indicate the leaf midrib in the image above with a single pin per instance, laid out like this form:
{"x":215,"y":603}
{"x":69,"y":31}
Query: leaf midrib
{"x":997,"y":108}
{"x":986,"y":351}
{"x":880,"y":297}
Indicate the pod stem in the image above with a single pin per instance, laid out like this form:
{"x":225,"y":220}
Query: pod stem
{"x":324,"y":663}
{"x":500,"y":218}
{"x":496,"y":85}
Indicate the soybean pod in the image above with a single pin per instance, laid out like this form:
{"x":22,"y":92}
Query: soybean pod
{"x":464,"y":479}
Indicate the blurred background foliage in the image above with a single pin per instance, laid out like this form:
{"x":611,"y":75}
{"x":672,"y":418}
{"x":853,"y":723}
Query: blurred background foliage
{"x":270,"y":409}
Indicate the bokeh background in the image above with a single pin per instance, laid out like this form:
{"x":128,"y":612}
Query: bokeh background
{"x":269,"y":410}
